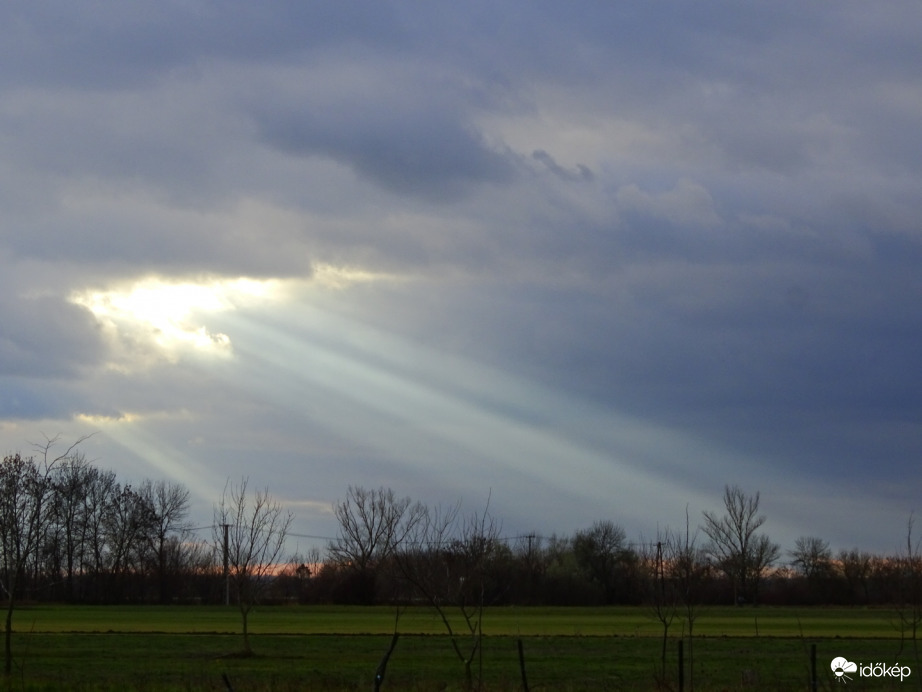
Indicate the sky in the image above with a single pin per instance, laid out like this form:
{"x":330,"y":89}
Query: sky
{"x":576,"y":261}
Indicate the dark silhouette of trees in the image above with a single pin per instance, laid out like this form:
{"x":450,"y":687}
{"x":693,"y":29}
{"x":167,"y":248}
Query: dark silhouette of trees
{"x":70,"y":531}
{"x":168,"y":529}
{"x":295,"y":581}
{"x":26,"y":491}
{"x":127,"y":525}
{"x":71,"y":482}
{"x":372,"y":525}
{"x":101,"y":490}
{"x":22,"y":497}
{"x":735,"y":546}
{"x":857,"y":568}
{"x":603,"y":554}
{"x":812,"y":558}
{"x":527,"y":569}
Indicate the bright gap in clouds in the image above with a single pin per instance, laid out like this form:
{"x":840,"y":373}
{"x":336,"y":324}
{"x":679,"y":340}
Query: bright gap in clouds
{"x":167,"y":314}
{"x":153,"y":320}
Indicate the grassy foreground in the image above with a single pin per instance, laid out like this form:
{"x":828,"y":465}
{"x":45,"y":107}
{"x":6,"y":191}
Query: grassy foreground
{"x":334,"y":649}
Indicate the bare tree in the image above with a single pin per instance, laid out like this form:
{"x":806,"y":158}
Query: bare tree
{"x":21,"y":497}
{"x":25,"y":491}
{"x":909,"y":600}
{"x":169,"y":506}
{"x":100,"y":493}
{"x":256,"y":530}
{"x":128,"y":524}
{"x":691,"y":570}
{"x":856,"y":567}
{"x":811,"y":557}
{"x":677,"y":570}
{"x":445,"y":560}
{"x":71,"y":481}
{"x":741,"y":553}
{"x":658,"y":559}
{"x":372,"y":524}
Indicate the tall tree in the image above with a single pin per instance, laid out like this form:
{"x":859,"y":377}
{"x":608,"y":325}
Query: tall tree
{"x":372,"y":524}
{"x":812,"y":557}
{"x":169,"y":507}
{"x":128,"y":525}
{"x":25,"y":490}
{"x":856,"y":567}
{"x":71,"y":481}
{"x":736,"y":547}
{"x":100,"y":493}
{"x":604,"y":556}
{"x":256,"y":528}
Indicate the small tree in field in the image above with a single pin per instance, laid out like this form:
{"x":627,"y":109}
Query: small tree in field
{"x":909,"y":598}
{"x":256,"y":528}
{"x":444,"y":559}
{"x":691,"y":569}
{"x":662,"y":596}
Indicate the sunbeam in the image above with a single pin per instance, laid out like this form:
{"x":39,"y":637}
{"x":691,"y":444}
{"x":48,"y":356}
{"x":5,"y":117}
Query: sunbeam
{"x":133,"y":434}
{"x":449,"y":416}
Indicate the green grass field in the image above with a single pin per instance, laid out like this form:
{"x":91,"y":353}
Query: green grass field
{"x":338,"y":648}
{"x":511,"y":621}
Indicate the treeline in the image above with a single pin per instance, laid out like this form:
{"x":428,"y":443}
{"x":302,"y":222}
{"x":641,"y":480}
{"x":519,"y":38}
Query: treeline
{"x":579,"y":570}
{"x":72,"y":532}
{"x":725,"y":559}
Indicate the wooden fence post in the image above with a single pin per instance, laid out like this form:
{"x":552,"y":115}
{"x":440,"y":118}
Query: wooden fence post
{"x":681,"y":667}
{"x":813,"y":680}
{"x":522,"y":666}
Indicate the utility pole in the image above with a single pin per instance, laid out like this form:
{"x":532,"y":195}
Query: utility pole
{"x":226,"y":568}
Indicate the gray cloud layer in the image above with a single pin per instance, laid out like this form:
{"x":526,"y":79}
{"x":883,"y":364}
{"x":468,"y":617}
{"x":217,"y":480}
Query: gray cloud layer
{"x":704,"y":217}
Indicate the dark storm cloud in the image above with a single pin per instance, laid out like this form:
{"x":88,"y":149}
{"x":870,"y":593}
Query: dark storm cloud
{"x":46,"y":337}
{"x":108,"y":44}
{"x":404,"y":143}
{"x":47,"y":347}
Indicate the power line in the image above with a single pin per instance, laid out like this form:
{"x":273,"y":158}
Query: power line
{"x":536,"y":538}
{"x":200,"y":528}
